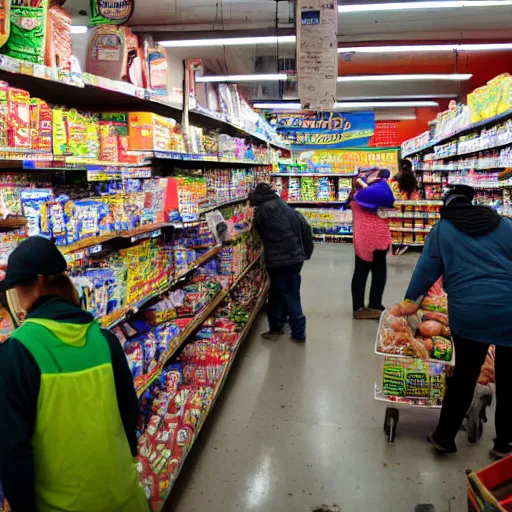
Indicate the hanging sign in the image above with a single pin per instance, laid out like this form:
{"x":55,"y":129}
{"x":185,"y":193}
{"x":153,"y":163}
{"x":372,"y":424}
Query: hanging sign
{"x":317,"y":53}
{"x":350,"y":162}
{"x":111,"y":11}
{"x":325,"y":130}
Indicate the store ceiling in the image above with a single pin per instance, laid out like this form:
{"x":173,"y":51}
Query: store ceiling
{"x":181,"y":19}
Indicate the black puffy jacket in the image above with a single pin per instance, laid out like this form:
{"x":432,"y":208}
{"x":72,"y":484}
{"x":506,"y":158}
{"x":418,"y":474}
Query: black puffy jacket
{"x":286,"y":235}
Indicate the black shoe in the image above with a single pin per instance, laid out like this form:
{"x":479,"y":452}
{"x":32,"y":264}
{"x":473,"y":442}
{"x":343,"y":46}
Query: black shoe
{"x":302,"y":341}
{"x":441,"y":446}
{"x":500,"y":450}
{"x":272,"y":335}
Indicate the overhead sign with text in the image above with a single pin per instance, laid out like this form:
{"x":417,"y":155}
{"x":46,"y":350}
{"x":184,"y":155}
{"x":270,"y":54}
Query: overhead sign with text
{"x":327,"y":130}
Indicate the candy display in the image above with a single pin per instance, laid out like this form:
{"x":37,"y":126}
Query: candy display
{"x":176,"y":403}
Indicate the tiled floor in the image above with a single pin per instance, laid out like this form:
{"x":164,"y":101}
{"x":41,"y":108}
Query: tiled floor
{"x":297,"y":427}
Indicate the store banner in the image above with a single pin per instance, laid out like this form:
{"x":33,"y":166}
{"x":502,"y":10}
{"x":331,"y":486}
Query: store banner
{"x":317,"y":53}
{"x":325,"y":130}
{"x":350,"y":162}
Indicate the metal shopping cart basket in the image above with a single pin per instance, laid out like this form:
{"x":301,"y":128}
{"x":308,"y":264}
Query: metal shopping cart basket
{"x":408,"y":381}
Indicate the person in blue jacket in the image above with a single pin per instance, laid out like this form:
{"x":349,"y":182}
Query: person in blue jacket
{"x":471,"y":246}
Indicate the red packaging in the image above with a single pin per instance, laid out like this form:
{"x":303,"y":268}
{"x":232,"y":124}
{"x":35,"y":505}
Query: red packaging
{"x":19,"y":118}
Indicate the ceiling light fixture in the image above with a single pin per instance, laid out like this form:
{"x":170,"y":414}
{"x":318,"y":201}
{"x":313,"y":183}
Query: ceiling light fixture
{"x":398,"y":6}
{"x":242,"y":78}
{"x":227,"y":41}
{"x":78,"y":29}
{"x":392,"y":97}
{"x":405,"y":78}
{"x":350,"y":105}
{"x":427,"y":48}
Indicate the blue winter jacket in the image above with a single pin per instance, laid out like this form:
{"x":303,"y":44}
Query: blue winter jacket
{"x":477,"y":278}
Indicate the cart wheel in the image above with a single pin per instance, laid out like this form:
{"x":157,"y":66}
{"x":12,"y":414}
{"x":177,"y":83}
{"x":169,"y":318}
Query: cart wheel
{"x":391,"y":423}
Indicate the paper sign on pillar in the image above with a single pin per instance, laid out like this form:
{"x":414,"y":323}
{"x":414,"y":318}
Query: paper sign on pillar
{"x":317,"y":53}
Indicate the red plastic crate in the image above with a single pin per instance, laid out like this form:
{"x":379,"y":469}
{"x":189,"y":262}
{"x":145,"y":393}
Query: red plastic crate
{"x":490,"y":490}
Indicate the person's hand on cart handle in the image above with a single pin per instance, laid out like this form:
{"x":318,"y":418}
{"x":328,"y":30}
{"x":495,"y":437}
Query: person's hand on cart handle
{"x":405,"y":308}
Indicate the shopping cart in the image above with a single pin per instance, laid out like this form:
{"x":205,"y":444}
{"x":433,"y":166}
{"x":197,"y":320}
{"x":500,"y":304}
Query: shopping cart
{"x":490,"y":490}
{"x":408,"y":381}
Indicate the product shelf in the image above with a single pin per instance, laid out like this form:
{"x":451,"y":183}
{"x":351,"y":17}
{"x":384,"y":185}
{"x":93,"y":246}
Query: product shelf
{"x":98,"y":93}
{"x":462,"y":131}
{"x":222,"y":381}
{"x":12,"y":223}
{"x":334,"y":235}
{"x":147,"y":229}
{"x":312,"y":175}
{"x":419,"y":202}
{"x":112,"y":319}
{"x":199,"y":319}
{"x":223,"y":204}
{"x":317,"y":202}
{"x":410,"y":230}
{"x":201,"y":157}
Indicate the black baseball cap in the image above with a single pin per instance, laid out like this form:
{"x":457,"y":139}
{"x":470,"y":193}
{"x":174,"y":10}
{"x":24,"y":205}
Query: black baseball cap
{"x":34,"y":256}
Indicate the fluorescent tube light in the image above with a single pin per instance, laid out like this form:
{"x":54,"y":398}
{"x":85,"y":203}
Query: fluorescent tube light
{"x":398,"y":6}
{"x":278,"y":106}
{"x":392,"y":97}
{"x":227,"y":41}
{"x":426,"y":48}
{"x":403,"y":78}
{"x":242,"y":78}
{"x":384,"y":104}
{"x":351,"y":105}
{"x":78,"y":29}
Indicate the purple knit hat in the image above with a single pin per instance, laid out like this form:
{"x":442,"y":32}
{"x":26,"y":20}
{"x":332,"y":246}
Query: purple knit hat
{"x":376,"y":195}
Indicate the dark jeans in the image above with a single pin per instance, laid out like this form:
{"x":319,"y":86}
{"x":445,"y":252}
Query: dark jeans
{"x":469,"y":358}
{"x":284,"y":300}
{"x":362,"y":268}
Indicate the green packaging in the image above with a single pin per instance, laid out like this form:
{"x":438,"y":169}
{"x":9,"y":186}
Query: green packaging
{"x":27,"y":40}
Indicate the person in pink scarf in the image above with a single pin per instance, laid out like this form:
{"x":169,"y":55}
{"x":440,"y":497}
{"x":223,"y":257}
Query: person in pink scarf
{"x":372,"y":240}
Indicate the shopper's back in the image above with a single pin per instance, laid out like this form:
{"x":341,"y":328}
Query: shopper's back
{"x":285,"y":233}
{"x":477,"y":278}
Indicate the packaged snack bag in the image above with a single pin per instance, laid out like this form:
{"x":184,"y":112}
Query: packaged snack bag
{"x":27,"y":39}
{"x":110,"y":12}
{"x":5,"y":21}
{"x":58,"y":39}
{"x":19,"y":118}
{"x":33,"y":203}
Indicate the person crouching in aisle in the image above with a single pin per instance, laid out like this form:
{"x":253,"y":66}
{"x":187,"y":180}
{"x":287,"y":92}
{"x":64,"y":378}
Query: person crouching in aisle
{"x":69,"y":409}
{"x":287,"y":242}
{"x":372,"y":240}
{"x":471,"y":247}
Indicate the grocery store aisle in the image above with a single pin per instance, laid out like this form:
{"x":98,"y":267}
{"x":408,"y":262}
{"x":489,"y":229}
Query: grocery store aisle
{"x":298,"y":427}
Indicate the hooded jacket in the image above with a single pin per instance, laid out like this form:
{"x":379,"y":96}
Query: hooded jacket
{"x":286,"y":235}
{"x":69,"y":414}
{"x":471,"y":247}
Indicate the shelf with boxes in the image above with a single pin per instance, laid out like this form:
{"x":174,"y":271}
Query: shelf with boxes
{"x":411,"y":221}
